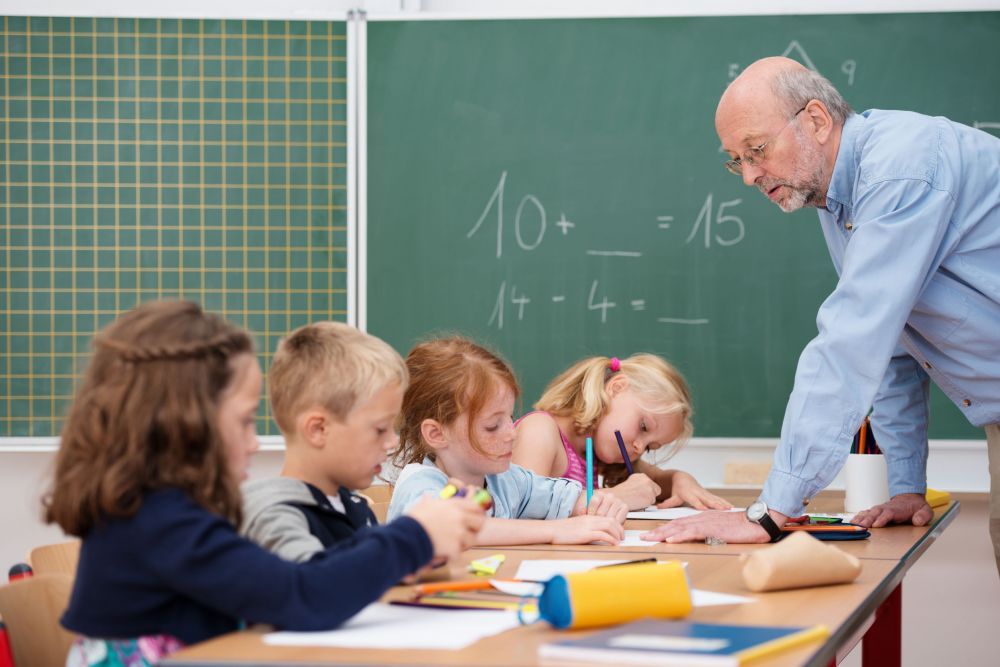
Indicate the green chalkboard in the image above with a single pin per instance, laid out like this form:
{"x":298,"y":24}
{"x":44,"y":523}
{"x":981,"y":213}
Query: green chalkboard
{"x":153,"y":158}
{"x":525,"y":175}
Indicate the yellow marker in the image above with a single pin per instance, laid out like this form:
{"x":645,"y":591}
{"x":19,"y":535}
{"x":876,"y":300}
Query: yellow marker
{"x":488,"y":565}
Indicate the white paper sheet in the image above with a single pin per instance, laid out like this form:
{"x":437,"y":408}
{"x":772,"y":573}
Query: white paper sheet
{"x":521,"y":588}
{"x":700,"y":598}
{"x":543,"y":570}
{"x":390,"y":626}
{"x":632,"y":539}
{"x":652,"y":512}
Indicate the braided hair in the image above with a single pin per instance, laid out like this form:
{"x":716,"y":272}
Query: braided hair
{"x":144,"y":417}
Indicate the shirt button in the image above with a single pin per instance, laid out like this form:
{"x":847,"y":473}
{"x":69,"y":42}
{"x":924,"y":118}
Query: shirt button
{"x":849,"y":226}
{"x":927,"y":365}
{"x":805,"y":501}
{"x":966,"y":402}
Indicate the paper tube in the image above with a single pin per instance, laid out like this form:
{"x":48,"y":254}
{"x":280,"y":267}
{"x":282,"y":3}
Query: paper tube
{"x":798,"y":561}
{"x":866,"y":480}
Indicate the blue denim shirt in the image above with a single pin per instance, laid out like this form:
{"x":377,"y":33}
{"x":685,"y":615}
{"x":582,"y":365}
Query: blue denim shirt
{"x":517,"y":492}
{"x":913,"y":227}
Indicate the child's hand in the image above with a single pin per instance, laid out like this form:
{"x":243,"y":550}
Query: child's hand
{"x":451,"y":524}
{"x":685,"y":489}
{"x":586,"y":529}
{"x":638,"y":491}
{"x":429,"y":571}
{"x":605,"y":503}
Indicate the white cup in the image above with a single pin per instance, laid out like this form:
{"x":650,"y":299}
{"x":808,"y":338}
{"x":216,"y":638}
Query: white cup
{"x":867,"y":482}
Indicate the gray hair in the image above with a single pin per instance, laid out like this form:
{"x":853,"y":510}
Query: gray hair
{"x":798,"y":86}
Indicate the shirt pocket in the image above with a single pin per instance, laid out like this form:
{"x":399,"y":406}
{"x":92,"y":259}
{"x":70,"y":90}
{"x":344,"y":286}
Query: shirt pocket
{"x":940,"y":312}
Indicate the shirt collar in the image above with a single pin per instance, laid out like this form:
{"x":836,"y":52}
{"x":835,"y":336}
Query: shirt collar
{"x":839,"y":193}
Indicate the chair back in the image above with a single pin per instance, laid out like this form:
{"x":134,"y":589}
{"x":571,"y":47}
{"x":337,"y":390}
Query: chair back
{"x":30,"y":609}
{"x":378,"y":498}
{"x":59,"y":557}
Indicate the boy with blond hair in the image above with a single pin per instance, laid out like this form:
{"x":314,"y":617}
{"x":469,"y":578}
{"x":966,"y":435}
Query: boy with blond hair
{"x":335,"y":392}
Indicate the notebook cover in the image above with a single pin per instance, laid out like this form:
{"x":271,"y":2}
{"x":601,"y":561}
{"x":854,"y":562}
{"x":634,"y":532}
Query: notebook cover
{"x":679,"y":644}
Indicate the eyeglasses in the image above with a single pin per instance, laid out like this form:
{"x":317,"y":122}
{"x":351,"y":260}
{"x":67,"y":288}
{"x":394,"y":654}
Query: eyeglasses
{"x":754,"y":156}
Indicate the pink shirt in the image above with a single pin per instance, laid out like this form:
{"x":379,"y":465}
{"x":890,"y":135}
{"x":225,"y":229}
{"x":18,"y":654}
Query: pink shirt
{"x":576,"y":467}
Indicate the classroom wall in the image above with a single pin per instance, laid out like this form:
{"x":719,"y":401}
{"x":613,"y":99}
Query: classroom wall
{"x":954,"y":465}
{"x":25,"y":476}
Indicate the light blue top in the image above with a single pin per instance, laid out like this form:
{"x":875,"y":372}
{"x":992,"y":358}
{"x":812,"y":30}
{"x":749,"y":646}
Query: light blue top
{"x":913,"y":227}
{"x":517,"y":493}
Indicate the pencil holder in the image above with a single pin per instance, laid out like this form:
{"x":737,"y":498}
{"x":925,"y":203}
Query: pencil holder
{"x":866,"y":482}
{"x":616,"y":594}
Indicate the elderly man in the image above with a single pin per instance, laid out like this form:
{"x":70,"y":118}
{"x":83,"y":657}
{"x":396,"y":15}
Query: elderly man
{"x":910,"y":209}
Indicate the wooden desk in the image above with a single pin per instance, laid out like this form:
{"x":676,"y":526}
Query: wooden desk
{"x":869,"y":607}
{"x":838,"y":607}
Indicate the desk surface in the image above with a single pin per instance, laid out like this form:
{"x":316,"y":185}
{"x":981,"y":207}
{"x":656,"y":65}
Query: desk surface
{"x":836,"y":608}
{"x":845,"y":609}
{"x":889,"y":543}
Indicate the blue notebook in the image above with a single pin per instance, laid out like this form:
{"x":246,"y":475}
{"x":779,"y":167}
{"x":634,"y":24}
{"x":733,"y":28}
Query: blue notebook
{"x":681,"y":644}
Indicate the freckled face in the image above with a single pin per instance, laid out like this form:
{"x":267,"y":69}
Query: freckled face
{"x":494,"y":430}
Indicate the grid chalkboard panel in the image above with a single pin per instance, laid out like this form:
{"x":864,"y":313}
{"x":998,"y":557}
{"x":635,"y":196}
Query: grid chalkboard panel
{"x":151,"y":158}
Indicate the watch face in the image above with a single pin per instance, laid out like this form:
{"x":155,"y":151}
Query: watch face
{"x":756,"y":510}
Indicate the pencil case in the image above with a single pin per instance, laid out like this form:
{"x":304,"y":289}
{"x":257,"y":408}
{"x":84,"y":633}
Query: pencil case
{"x":609,"y":595}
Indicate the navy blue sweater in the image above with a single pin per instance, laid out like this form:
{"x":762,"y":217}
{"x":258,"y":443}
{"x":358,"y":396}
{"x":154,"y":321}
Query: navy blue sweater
{"x":175,"y":568}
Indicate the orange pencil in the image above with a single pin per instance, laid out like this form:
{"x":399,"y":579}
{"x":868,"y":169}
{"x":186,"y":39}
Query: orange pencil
{"x":863,"y":436}
{"x":472,"y":585}
{"x":826,"y":528}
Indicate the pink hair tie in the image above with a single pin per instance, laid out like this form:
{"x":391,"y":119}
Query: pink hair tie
{"x":615,"y":365}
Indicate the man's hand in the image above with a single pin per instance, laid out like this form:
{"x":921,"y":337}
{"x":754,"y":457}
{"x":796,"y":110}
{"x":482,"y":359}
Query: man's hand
{"x":729,"y":526}
{"x":904,"y":508}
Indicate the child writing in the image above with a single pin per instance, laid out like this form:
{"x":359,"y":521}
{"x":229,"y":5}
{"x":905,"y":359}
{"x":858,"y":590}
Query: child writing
{"x":155,"y":444}
{"x":645,"y":399}
{"x":456,"y":422}
{"x":335,"y":394}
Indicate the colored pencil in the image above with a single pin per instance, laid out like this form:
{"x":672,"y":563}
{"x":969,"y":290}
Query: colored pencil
{"x":621,"y":446}
{"x":826,"y":528}
{"x":776,"y":645}
{"x":590,"y":469}
{"x":474,"y":585}
{"x":628,"y":562}
{"x":453,"y":604}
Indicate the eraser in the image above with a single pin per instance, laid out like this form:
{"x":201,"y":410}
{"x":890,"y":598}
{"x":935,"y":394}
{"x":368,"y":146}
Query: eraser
{"x":937,"y":498}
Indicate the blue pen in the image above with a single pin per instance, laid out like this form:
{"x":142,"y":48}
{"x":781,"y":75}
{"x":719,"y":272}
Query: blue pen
{"x":621,"y":446}
{"x":590,"y":469}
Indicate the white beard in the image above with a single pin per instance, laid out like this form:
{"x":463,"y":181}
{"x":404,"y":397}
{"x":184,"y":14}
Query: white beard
{"x":805,"y":186}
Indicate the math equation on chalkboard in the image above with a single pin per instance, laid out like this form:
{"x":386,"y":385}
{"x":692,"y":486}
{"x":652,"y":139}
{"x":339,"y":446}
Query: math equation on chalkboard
{"x":717,"y":224}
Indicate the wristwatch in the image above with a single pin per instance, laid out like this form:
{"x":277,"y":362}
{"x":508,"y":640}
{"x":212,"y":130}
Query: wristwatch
{"x":757,"y":513}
